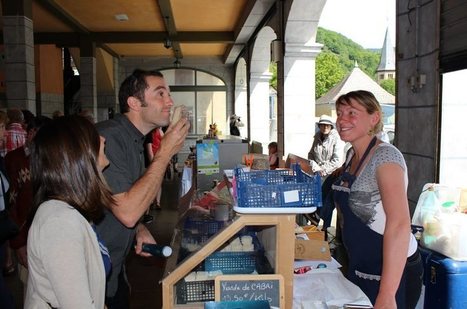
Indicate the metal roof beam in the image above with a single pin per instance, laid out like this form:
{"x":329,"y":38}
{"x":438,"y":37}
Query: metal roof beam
{"x":169,"y":21}
{"x":255,"y":14}
{"x":72,"y":39}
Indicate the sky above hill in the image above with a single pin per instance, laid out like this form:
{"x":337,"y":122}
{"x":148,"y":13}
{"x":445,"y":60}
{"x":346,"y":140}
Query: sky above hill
{"x":363,"y":21}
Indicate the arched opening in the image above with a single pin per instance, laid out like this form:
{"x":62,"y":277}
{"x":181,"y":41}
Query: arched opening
{"x":301,"y":50}
{"x":260,"y":77}
{"x":203,"y":94}
{"x":241,"y":108}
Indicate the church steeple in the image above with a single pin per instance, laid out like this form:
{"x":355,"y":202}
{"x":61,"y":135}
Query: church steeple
{"x":387,"y":64}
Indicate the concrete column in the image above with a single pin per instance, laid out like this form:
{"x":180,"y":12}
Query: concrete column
{"x":241,"y":96}
{"x":241,"y":105}
{"x":88,"y":90}
{"x":18,"y":40}
{"x":87,"y":73}
{"x":259,"y":108}
{"x":110,"y":101}
{"x":299,"y":97}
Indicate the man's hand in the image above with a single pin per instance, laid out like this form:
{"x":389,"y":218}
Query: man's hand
{"x":174,"y":138}
{"x":143,"y":236}
{"x":22,"y":255}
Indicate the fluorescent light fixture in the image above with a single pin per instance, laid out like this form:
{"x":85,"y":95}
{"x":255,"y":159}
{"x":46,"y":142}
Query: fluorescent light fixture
{"x":121,"y":17}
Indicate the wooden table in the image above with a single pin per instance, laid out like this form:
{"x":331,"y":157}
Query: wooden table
{"x":276,"y":235}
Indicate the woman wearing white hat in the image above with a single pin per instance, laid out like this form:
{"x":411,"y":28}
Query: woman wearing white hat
{"x":326,"y":155}
{"x":327,"y":152}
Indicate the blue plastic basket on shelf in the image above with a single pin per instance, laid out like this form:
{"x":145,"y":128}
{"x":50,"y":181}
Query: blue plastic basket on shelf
{"x":235,"y":262}
{"x":204,"y":227}
{"x":196,"y":232}
{"x":281,"y":190}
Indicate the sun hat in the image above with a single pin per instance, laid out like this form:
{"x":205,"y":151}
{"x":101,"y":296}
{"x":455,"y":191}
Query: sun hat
{"x":325,"y":119}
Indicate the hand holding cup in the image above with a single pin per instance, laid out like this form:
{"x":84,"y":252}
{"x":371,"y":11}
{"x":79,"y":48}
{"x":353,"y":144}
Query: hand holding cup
{"x":178,"y":113}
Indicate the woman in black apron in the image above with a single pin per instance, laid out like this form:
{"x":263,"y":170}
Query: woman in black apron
{"x":371,"y":198}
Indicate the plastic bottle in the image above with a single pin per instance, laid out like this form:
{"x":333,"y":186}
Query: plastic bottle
{"x":157,"y":250}
{"x":449,"y":207}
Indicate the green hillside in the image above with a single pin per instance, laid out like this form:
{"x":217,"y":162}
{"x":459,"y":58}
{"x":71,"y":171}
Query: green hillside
{"x":338,"y":58}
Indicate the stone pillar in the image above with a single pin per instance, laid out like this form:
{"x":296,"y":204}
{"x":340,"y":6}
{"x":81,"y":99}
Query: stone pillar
{"x":299,"y":97}
{"x":418,"y":108}
{"x":241,"y":96}
{"x":241,"y":105}
{"x":259,"y":108}
{"x":18,"y":40}
{"x":87,"y":72}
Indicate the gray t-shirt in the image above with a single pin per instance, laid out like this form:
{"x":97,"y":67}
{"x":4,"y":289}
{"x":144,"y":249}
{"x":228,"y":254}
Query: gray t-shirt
{"x":365,"y":199}
{"x":124,"y":147}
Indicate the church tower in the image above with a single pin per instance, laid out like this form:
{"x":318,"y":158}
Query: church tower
{"x":387,"y":64}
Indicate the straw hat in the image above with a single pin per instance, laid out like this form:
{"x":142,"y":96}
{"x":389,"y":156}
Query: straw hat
{"x":325,"y":119}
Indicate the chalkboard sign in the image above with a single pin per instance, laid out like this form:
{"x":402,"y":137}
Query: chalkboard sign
{"x":251,"y":287}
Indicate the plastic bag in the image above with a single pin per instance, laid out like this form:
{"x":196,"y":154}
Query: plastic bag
{"x":440,"y":211}
{"x":326,"y":287}
{"x":434,"y":200}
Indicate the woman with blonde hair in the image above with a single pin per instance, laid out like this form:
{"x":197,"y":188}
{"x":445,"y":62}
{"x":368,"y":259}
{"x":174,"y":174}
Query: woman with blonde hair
{"x":371,"y":197}
{"x":67,"y":262}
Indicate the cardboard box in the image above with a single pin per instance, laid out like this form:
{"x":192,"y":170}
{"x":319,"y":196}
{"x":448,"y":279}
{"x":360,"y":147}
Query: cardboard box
{"x":311,"y":231}
{"x":304,"y":163}
{"x":312,"y":250}
{"x":316,"y":235}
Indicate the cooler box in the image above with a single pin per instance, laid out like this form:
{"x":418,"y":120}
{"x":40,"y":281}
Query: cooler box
{"x":445,"y":281}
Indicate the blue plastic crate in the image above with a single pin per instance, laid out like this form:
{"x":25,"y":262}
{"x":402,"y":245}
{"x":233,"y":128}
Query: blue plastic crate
{"x":206,"y":228}
{"x":198,"y":231}
{"x":235,"y":262}
{"x":232,"y":262}
{"x":194,"y":291}
{"x":278,"y":188}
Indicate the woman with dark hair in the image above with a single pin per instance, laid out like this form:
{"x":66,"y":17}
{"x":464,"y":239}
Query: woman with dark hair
{"x":67,"y":262}
{"x":371,"y":197}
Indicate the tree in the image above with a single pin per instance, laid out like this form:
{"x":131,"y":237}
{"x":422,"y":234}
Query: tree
{"x":328,"y":72}
{"x":273,"y":70}
{"x":389,"y":85}
{"x":348,"y":52}
{"x":337,"y":59}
